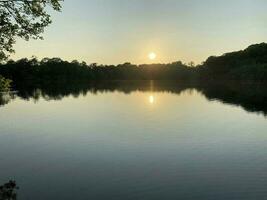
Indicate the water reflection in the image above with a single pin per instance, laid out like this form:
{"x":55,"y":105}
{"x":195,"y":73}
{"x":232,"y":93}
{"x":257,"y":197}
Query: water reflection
{"x":6,"y":97}
{"x":110,"y":146}
{"x":250,"y":96}
{"x":151,"y":99}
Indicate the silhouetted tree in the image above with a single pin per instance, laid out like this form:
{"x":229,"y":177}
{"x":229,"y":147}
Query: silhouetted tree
{"x":8,"y":191}
{"x":55,"y":69}
{"x":23,"y":18}
{"x":249,"y":64}
{"x":4,"y":84}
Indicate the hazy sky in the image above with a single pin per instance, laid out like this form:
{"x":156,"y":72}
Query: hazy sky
{"x":117,"y":31}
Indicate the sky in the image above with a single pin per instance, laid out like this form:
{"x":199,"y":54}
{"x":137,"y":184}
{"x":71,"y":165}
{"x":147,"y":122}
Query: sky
{"x":118,"y":31}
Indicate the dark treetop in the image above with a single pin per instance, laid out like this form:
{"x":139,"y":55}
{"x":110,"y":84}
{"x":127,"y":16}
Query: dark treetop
{"x":23,"y":18}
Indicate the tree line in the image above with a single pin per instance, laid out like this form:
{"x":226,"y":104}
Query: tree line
{"x":57,"y":70}
{"x":249,"y":64}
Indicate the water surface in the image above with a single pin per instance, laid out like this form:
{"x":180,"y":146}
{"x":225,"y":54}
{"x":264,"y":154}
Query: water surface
{"x":133,"y":142}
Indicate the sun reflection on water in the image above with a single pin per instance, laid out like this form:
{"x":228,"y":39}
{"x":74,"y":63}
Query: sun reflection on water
{"x":151,"y":99}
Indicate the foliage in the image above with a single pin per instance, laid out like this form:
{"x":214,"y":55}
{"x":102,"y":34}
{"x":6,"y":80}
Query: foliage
{"x":55,"y":69}
{"x":249,"y":64}
{"x":8,"y":191}
{"x":23,"y":18}
{"x":4,"y":84}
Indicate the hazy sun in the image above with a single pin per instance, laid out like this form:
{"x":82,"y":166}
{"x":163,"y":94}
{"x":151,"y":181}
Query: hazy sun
{"x":152,"y":56}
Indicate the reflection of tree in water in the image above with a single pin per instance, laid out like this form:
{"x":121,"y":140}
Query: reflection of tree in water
{"x":6,"y":97}
{"x":251,"y":96}
{"x":58,"y":90}
{"x":8,"y":191}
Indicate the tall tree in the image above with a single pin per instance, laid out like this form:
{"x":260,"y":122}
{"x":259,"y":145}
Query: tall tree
{"x":24,"y":19}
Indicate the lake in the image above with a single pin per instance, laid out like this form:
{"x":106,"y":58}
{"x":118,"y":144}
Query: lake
{"x":136,"y":141}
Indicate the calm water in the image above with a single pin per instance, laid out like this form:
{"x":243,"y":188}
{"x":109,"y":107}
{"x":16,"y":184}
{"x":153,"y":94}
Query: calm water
{"x":135,"y":144}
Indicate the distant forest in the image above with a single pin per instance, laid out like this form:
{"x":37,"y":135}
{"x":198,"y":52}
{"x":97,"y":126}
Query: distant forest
{"x":248,"y":64}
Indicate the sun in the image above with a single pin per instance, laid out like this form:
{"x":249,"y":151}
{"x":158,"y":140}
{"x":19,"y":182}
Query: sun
{"x":152,"y":56}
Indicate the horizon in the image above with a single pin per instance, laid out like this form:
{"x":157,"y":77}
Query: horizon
{"x":122,"y":31}
{"x":137,"y":64}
